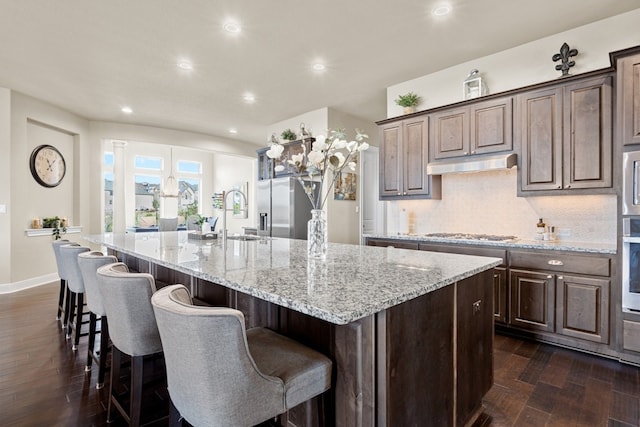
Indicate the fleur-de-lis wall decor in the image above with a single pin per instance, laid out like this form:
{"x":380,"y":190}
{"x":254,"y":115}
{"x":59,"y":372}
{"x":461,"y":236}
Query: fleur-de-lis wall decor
{"x":564,"y":55}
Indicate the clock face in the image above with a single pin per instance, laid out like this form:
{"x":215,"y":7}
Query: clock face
{"x":47,"y":165}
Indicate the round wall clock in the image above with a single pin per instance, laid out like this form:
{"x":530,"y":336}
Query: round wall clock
{"x":47,"y":165}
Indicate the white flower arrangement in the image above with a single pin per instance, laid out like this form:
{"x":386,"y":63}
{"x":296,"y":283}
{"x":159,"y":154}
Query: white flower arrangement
{"x":328,"y":156}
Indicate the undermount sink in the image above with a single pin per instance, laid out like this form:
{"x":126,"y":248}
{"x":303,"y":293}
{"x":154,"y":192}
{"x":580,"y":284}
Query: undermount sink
{"x":243,"y":237}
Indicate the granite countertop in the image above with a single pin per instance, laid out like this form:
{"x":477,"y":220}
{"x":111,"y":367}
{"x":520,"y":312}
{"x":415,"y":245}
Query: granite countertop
{"x":556,"y":245}
{"x":353,"y":282}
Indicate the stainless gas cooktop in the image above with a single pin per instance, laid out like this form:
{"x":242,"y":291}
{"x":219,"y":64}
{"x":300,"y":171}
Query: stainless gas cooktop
{"x":470,"y":236}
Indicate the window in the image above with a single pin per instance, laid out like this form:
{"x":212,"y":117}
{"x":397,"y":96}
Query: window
{"x":151,"y":163}
{"x":189,"y":167}
{"x":188,"y":203}
{"x":107,"y":168}
{"x":147,"y":200}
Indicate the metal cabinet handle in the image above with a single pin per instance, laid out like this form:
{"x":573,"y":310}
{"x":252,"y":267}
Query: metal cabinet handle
{"x":549,"y":276}
{"x":560,"y":277}
{"x":466,"y":152}
{"x":404,"y":194}
{"x":559,"y":186}
{"x":476,"y":306}
{"x":473,"y":151}
{"x":567,"y":186}
{"x":399,"y":194}
{"x":555,"y":262}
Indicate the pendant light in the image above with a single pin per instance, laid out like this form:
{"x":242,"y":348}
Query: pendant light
{"x":171,"y":184}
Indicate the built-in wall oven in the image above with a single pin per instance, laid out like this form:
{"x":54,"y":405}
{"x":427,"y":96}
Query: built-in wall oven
{"x":631,"y":265}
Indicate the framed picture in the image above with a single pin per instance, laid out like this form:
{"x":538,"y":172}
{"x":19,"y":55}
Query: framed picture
{"x":345,"y":186}
{"x":240,"y":202}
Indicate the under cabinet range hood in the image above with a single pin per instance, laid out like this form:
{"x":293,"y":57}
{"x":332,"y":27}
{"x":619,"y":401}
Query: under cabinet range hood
{"x":473,"y":164}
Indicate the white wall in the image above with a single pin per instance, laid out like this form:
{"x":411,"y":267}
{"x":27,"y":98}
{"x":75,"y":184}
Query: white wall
{"x":5,"y":185}
{"x":33,"y":123}
{"x":525,"y":64}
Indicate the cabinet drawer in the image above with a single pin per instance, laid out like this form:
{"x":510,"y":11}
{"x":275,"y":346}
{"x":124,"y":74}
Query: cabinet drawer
{"x":563,"y":263}
{"x":466,"y":250}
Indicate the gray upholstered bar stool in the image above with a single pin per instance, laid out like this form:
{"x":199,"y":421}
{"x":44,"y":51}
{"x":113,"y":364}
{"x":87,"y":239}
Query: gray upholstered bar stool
{"x":221,"y":374}
{"x":63,"y":281}
{"x":132,"y":327}
{"x":89,"y":262}
{"x":75,"y":284}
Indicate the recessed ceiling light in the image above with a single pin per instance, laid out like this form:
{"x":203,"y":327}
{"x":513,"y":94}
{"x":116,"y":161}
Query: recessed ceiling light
{"x":249,"y":98}
{"x":441,"y":10}
{"x":126,"y":110}
{"x":233,"y":130}
{"x":232,"y":27}
{"x":185,"y":65}
{"x":319,"y":66}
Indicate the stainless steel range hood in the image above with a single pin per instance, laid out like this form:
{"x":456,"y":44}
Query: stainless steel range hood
{"x":473,"y":164}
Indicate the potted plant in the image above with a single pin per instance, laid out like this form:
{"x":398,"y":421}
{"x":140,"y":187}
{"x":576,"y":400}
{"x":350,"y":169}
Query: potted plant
{"x":408,"y":101}
{"x":58,"y":226}
{"x":288,"y":135}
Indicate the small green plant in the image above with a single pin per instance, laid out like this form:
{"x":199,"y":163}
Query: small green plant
{"x":288,"y":135}
{"x":408,"y":100}
{"x":56,"y":224}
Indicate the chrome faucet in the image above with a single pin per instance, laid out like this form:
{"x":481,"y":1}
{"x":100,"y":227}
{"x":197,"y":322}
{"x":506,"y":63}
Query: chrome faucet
{"x":224,"y":209}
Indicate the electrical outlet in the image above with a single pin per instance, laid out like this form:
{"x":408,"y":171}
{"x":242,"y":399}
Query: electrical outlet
{"x":563,"y":232}
{"x":3,"y":209}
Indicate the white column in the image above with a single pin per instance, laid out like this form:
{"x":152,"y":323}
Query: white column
{"x":119,"y":168}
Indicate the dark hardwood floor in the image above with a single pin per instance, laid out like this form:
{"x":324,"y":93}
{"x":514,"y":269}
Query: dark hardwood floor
{"x":43,"y":383}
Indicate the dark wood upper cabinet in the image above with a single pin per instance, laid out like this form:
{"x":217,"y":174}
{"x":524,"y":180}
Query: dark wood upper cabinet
{"x":629,"y":98}
{"x":403,"y":161}
{"x":450,"y":133}
{"x":566,"y":136}
{"x":480,"y":128}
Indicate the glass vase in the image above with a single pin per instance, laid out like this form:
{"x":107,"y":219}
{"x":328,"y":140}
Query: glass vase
{"x":317,"y":234}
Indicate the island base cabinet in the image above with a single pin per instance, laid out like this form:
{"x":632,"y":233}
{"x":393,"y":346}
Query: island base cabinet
{"x":435,"y":356}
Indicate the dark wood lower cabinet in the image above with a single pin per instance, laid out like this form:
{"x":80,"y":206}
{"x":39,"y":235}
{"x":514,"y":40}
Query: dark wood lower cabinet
{"x":582,"y":307}
{"x":532,"y":300}
{"x":500,"y":292}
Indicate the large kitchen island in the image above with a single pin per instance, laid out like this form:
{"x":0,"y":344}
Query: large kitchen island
{"x":410,"y":332}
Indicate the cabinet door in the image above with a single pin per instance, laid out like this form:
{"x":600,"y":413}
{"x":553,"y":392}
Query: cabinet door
{"x":491,"y":126}
{"x":532,"y":300}
{"x":540,"y":121}
{"x":451,"y":133}
{"x":390,"y":159}
{"x":582,"y":308}
{"x":415,"y":146}
{"x":474,"y":343}
{"x":587,"y":134}
{"x":629,"y":95}
{"x":500,"y":295}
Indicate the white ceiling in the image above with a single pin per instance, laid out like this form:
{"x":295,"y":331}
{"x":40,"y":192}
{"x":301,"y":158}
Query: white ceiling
{"x":92,"y":57}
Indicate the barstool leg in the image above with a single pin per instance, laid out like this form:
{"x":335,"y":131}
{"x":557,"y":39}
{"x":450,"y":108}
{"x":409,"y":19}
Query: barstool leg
{"x":67,"y":303}
{"x":71,"y":308}
{"x":114,"y":386}
{"x":92,"y":341}
{"x":174,"y":416}
{"x":104,"y":351}
{"x":78,"y":321}
{"x":137,"y":369}
{"x":63,"y":287}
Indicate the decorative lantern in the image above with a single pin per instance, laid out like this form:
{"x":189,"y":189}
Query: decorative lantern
{"x":474,"y":86}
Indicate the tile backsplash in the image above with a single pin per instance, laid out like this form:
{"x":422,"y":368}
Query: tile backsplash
{"x":486,"y":202}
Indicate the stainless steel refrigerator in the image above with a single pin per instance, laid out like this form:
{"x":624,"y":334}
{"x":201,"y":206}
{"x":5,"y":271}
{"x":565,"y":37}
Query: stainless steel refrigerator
{"x":283,"y":208}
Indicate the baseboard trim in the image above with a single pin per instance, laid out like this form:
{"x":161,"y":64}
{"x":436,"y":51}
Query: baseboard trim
{"x":8,"y":288}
